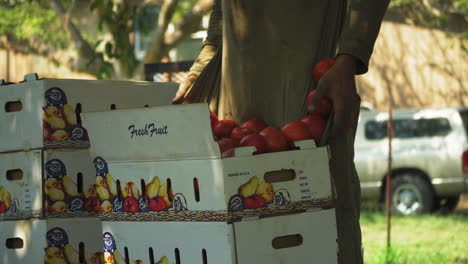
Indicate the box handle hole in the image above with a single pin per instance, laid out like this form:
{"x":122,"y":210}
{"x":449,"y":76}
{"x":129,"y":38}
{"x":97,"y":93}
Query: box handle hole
{"x":177,"y":255}
{"x":279,"y":176}
{"x":14,"y":175}
{"x":79,"y":182}
{"x":127,"y":259}
{"x":204,"y":256}
{"x":151,"y":255}
{"x":143,"y":189}
{"x":14,"y":243}
{"x":78,"y":111}
{"x":81,"y":252}
{"x":196,"y":189}
{"x":119,"y":189}
{"x":169,"y":189}
{"x":287,"y":241}
{"x":113,"y":107}
{"x":13,"y":106}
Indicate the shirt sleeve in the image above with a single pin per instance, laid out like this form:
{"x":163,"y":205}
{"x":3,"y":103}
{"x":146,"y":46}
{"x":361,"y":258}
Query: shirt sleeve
{"x":212,"y":42}
{"x":361,"y":29}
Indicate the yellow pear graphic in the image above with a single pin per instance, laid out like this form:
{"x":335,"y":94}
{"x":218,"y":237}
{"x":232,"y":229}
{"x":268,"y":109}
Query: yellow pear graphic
{"x":70,"y":115}
{"x":152,"y":188}
{"x":249,"y":188}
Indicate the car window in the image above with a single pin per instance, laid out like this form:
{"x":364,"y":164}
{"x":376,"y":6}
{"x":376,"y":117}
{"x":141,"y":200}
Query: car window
{"x":408,"y":128}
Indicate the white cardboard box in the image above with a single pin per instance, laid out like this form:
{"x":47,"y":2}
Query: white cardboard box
{"x":41,"y":113}
{"x":159,"y":173}
{"x":296,"y":238}
{"x":45,"y":183}
{"x":51,"y":241}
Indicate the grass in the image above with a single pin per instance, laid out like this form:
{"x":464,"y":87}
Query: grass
{"x":426,"y":239}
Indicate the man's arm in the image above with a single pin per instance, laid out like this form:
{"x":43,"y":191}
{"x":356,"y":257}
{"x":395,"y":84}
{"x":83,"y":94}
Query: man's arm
{"x":210,"y":45}
{"x":361,"y":29}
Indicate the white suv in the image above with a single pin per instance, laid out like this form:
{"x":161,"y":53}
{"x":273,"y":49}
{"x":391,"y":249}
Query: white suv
{"x":430,"y":157}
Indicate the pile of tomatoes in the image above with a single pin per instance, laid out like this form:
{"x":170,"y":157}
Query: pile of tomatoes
{"x":267,"y":139}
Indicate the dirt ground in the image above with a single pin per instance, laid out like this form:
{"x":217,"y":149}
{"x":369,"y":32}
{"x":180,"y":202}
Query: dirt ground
{"x":463,"y":204}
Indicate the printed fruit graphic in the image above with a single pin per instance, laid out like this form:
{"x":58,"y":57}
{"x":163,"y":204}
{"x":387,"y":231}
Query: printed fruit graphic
{"x":316,"y":126}
{"x":54,"y":255}
{"x":249,"y":188}
{"x":165,"y":194}
{"x":53,"y":189}
{"x":58,"y":207}
{"x":5,"y":200}
{"x":255,"y":140}
{"x":46,"y":133}
{"x":111,"y":185}
{"x":93,"y":205}
{"x":254,"y":125}
{"x":254,"y":202}
{"x":118,"y":258}
{"x":238,"y":133}
{"x":296,"y":131}
{"x":71,"y":254}
{"x":130,"y":204}
{"x":131,"y":190}
{"x":59,"y":135}
{"x":53,"y":111}
{"x":325,"y":107}
{"x":227,"y":143}
{"x":101,"y":188}
{"x":164,"y":260}
{"x":55,"y":122}
{"x":70,"y":115}
{"x":275,"y":140}
{"x":69,"y":186}
{"x":106,"y":206}
{"x":266,"y":191}
{"x":152,"y":188}
{"x":158,"y":204}
{"x":321,"y":68}
{"x":223,"y":128}
{"x":90,"y":191}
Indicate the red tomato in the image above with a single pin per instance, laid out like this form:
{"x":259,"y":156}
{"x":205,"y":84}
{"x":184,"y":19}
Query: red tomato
{"x":227,"y":143}
{"x":223,"y":128}
{"x":275,"y":139}
{"x":321,"y":68}
{"x":316,"y":125}
{"x":214,"y":119}
{"x":238,"y":133}
{"x":228,"y":153}
{"x":296,"y":131}
{"x":254,"y":125}
{"x":255,"y":140}
{"x":325,"y":107}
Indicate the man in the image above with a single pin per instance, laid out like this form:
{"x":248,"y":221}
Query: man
{"x":257,"y":62}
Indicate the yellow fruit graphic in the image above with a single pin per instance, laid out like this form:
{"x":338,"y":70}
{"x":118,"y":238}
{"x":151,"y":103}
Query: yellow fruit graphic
{"x":106,"y":206}
{"x":163,"y":193}
{"x":131,"y":189}
{"x":59,"y":135}
{"x":266,"y":190}
{"x":98,"y":258}
{"x":152,"y":188}
{"x":54,"y":255}
{"x":54,"y":189}
{"x":163,"y":260}
{"x":71,"y":254}
{"x":5,"y":197}
{"x":250,"y":187}
{"x":90,"y":191}
{"x":54,"y":122}
{"x":53,"y":111}
{"x":58,"y":207}
{"x":69,"y":114}
{"x":69,"y":186}
{"x":118,"y":259}
{"x":108,"y":258}
{"x":111,"y":184}
{"x":101,"y":188}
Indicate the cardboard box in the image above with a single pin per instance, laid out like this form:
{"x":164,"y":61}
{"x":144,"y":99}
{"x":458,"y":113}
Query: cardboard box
{"x":41,"y":183}
{"x":179,"y":175}
{"x":51,"y":241}
{"x":298,"y":238}
{"x":45,"y":113}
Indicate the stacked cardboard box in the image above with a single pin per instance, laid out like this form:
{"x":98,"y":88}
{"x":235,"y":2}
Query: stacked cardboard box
{"x":47,"y":178}
{"x":175,"y":200}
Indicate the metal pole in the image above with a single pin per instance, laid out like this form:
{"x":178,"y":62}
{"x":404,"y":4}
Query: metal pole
{"x":389,"y":172}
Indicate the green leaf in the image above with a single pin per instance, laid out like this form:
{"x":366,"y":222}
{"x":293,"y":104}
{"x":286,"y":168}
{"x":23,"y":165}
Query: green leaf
{"x":108,"y":50}
{"x":95,"y":4}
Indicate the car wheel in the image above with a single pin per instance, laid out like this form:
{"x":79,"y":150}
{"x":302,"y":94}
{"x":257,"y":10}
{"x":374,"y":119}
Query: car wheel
{"x":411,"y":194}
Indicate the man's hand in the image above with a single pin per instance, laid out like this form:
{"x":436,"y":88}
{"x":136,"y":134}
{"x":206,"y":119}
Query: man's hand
{"x":184,"y":87}
{"x":339,"y":85}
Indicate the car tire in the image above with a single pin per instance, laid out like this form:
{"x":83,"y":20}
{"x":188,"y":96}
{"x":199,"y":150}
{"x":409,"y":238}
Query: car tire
{"x":411,"y":195}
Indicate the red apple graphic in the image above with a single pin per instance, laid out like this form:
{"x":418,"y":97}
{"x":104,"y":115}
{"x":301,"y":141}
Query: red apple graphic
{"x":93,"y":205}
{"x":158,"y":204}
{"x":254,"y":202}
{"x":130,"y":205}
{"x":2,"y":207}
